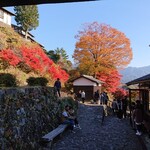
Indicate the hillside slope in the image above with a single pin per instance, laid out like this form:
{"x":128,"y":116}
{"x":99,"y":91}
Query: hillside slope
{"x":131,"y":73}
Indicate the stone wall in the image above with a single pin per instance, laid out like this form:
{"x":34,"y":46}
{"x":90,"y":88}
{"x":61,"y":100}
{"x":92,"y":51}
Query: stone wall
{"x":26,"y":114}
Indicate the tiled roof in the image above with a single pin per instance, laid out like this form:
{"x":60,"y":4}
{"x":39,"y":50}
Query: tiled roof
{"x":139,"y":80}
{"x":91,"y":78}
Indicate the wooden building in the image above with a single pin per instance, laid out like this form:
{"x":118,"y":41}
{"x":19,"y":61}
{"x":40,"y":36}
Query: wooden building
{"x":143,"y":90}
{"x":5,"y":16}
{"x":88,"y":84}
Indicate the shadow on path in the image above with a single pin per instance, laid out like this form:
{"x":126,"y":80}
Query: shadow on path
{"x":115,"y":134}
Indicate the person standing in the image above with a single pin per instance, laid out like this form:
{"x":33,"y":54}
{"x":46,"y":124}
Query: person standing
{"x":114,"y":106}
{"x":83,"y":96}
{"x":124,"y":106}
{"x":101,"y":98}
{"x":119,"y":108}
{"x":105,"y":102}
{"x":57,"y":86}
{"x":138,"y":117}
{"x":79,"y":96}
{"x":96,"y":96}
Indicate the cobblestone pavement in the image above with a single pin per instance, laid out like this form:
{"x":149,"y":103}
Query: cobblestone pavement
{"x":114,"y":134}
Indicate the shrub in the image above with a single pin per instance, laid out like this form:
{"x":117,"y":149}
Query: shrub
{"x":7,"y":80}
{"x":41,"y":81}
{"x":68,"y":101}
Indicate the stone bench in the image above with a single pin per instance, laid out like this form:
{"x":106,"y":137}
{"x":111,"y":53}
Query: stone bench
{"x":48,"y":138}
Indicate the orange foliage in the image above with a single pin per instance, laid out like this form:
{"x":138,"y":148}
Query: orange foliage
{"x":100,"y":46}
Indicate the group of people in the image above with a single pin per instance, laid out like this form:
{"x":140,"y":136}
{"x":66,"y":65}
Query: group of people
{"x":81,"y":96}
{"x":137,"y":116}
{"x":69,"y":117}
{"x":119,"y":107}
{"x":101,"y":97}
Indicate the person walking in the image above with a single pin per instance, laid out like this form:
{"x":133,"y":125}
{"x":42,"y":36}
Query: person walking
{"x":57,"y":86}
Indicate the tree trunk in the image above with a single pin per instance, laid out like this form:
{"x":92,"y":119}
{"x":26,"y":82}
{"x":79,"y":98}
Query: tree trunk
{"x":26,"y":34}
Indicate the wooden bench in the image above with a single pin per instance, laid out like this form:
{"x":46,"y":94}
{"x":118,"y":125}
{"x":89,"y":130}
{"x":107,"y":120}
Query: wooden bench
{"x":48,"y":138}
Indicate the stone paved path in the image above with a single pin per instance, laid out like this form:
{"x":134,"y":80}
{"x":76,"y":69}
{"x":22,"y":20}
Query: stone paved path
{"x":114,"y":134}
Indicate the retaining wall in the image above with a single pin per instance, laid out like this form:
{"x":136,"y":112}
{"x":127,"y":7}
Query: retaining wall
{"x":26,"y":114}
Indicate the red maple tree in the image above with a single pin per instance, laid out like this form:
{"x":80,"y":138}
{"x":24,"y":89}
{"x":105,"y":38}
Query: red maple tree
{"x":35,"y":59}
{"x":111,"y":80}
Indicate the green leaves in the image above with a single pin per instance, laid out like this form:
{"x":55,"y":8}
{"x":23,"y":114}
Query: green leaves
{"x":27,"y":17}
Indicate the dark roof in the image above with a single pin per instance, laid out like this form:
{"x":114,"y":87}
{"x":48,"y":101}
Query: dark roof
{"x":19,"y":28}
{"x":5,"y":3}
{"x":19,"y":31}
{"x":91,"y":78}
{"x":140,"y":80}
{"x":7,"y":11}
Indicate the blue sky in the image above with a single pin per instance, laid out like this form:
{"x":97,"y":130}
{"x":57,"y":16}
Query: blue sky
{"x":59,"y":23}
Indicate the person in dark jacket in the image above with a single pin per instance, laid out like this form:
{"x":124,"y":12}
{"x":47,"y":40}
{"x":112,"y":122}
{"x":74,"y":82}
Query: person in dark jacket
{"x":119,"y":108}
{"x":124,"y":106}
{"x":138,"y":117}
{"x":57,"y":86}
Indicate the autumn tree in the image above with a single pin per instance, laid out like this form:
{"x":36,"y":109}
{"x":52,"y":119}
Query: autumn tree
{"x":27,"y":17}
{"x":100,"y":47}
{"x":60,"y":57}
{"x":120,"y":93}
{"x":111,"y":80}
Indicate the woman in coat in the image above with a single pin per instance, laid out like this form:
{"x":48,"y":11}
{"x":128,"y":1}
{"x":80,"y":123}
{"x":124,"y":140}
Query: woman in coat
{"x":138,"y":117}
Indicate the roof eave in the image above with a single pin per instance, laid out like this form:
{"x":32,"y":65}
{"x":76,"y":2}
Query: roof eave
{"x":7,"y":11}
{"x":6,"y":3}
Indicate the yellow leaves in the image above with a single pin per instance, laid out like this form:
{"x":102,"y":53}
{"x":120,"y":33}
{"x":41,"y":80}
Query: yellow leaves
{"x":101,"y":45}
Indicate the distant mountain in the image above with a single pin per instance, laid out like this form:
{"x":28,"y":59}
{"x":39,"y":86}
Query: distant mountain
{"x":131,"y":73}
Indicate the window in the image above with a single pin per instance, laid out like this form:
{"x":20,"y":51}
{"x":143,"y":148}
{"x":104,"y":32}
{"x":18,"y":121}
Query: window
{"x":1,"y":14}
